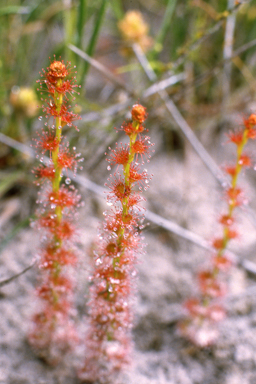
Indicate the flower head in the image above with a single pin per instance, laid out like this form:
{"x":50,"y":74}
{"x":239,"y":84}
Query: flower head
{"x":135,"y":30}
{"x":139,"y":113}
{"x":250,"y":121}
{"x":57,"y":70}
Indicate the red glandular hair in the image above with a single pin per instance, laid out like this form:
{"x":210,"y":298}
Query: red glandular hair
{"x":108,"y":341}
{"x":53,"y":332}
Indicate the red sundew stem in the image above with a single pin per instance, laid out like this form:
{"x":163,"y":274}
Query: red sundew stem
{"x":232,"y":201}
{"x":231,"y":206}
{"x":211,"y":285}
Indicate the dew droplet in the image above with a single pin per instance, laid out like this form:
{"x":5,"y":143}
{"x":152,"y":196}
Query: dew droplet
{"x":108,"y":168}
{"x":68,"y":181}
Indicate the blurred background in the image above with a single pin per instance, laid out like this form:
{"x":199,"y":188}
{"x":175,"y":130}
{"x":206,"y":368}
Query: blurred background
{"x":202,"y":52}
{"x":191,"y":63}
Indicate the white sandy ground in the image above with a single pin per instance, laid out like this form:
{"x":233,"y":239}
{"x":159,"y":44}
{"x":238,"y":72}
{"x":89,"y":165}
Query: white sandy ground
{"x":182,"y":191}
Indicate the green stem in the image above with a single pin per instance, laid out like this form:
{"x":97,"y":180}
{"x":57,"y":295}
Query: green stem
{"x":126,"y":172}
{"x":58,"y":99}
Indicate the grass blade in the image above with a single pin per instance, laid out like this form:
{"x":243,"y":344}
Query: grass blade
{"x":165,"y":26}
{"x":117,"y":8}
{"x":81,"y":20}
{"x":95,"y":35}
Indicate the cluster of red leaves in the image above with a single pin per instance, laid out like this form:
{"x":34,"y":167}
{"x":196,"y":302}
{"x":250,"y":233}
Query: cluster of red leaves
{"x":53,"y":330}
{"x":203,"y":313}
{"x":56,"y":80}
{"x":108,"y":341}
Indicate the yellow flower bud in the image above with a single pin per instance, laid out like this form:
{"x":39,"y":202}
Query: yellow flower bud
{"x":24,"y":101}
{"x":135,"y":30}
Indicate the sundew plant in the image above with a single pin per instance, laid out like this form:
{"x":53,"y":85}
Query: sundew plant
{"x":205,"y":311}
{"x":53,"y":331}
{"x":108,"y":342}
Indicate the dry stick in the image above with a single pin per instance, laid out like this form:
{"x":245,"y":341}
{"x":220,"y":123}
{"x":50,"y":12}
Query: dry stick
{"x":107,"y":112}
{"x":243,"y":48}
{"x":16,"y":145}
{"x":94,"y":63}
{"x":10,"y":279}
{"x":153,"y":217}
{"x":160,"y":85}
{"x":163,"y":84}
{"x":211,"y":72}
{"x":118,"y":107}
{"x":227,"y":52}
{"x":194,"y":45}
{"x":171,"y":107}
